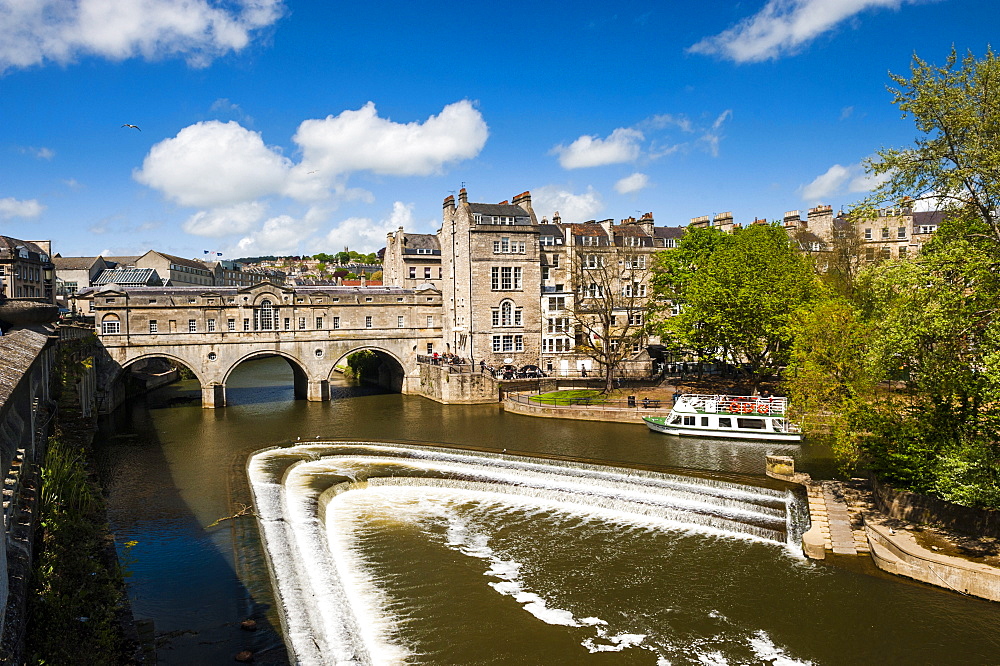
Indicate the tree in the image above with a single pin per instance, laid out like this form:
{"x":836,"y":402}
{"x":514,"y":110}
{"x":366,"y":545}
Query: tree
{"x":956,"y":161}
{"x":673,"y":271}
{"x":343,"y":258}
{"x":609,"y":312}
{"x":741,"y":301}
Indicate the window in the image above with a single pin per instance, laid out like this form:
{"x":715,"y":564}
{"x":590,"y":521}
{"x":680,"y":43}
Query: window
{"x":545,"y":272}
{"x":554,"y":261}
{"x":631,"y":241}
{"x":399,"y":321}
{"x":368,"y":299}
{"x":288,"y":323}
{"x":507,"y":246}
{"x":430,"y":321}
{"x":594,"y":291}
{"x":211,"y":326}
{"x":870,"y":253}
{"x":590,"y":240}
{"x":336,"y":322}
{"x":246,"y":324}
{"x":689,"y":420}
{"x":508,"y":343}
{"x":548,"y":240}
{"x":635,"y":318}
{"x":593,"y":261}
{"x":557,"y":303}
{"x":704,"y":421}
{"x":430,"y":348}
{"x":725,"y":422}
{"x":507,"y":315}
{"x":368,"y":321}
{"x":670,"y":242}
{"x":231,"y":324}
{"x":901,"y":232}
{"x":153,"y":326}
{"x":886,"y":253}
{"x":928,"y":228}
{"x":302,"y":323}
{"x":634,"y":289}
{"x":505,"y":278}
{"x":638,"y":261}
{"x":319,"y":323}
{"x":868,"y":234}
{"x":413,"y":272}
{"x":264,"y":316}
{"x":427,"y":272}
{"x":754,"y":424}
{"x":902,"y":252}
{"x":558,"y":325}
{"x":552,"y":345}
{"x":815,"y":246}
{"x":111,"y":325}
{"x":192,"y":325}
{"x":885,"y":233}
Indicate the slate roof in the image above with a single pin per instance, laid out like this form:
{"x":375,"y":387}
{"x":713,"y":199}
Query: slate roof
{"x":586,"y":229}
{"x":420,"y":242}
{"x":669,"y":232}
{"x":501,"y":210}
{"x":924,"y":218}
{"x":190,"y":263}
{"x":10,"y":245}
{"x":18,"y":350}
{"x":75,"y":263}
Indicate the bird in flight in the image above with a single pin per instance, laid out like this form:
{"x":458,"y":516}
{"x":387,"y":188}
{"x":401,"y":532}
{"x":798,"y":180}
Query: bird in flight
{"x":135,"y":127}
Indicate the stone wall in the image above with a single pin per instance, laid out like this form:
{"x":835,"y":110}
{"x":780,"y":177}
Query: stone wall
{"x":26,"y":362}
{"x":916,"y":508}
{"x":438,"y":383}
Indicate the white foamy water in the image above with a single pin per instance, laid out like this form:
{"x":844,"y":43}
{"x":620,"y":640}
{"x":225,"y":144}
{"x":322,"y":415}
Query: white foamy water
{"x":334,"y":607}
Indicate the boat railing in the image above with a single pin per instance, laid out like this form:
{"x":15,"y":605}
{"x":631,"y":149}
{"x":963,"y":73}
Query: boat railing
{"x":734,"y":404}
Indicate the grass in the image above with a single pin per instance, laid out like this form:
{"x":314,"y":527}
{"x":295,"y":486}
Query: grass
{"x":570,"y":397}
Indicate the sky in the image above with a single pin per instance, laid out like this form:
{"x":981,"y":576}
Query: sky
{"x":304,"y":126}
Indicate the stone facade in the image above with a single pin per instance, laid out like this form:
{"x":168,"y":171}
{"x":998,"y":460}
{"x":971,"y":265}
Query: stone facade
{"x":26,"y":269}
{"x":213,"y":330}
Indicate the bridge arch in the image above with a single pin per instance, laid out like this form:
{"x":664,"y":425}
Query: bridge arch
{"x":389,"y":374}
{"x":190,"y":364}
{"x":301,"y":380}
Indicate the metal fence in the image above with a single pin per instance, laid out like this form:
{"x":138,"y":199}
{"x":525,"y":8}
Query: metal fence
{"x":629,"y":403}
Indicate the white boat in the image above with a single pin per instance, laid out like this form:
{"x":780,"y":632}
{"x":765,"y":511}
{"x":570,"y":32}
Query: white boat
{"x":729,"y":417}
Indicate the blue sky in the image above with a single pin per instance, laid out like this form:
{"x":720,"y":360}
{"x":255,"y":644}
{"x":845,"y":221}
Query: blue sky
{"x":270,"y":127}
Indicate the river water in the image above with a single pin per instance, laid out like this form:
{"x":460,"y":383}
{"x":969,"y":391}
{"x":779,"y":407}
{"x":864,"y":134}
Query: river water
{"x":451,"y":576}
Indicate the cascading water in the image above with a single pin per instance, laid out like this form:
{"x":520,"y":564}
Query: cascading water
{"x":324,"y":510}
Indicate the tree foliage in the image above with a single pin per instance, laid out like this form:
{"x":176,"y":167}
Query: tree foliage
{"x":737,"y":295}
{"x":923,"y":409}
{"x":955,"y":163}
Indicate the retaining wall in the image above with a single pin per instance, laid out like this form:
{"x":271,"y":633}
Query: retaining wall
{"x":923,"y":509}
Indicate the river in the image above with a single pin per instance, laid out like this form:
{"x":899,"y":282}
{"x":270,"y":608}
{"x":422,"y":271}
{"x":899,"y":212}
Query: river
{"x":455,"y":579}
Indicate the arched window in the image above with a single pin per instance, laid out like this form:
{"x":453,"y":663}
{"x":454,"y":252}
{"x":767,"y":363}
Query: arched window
{"x":111,"y":325}
{"x":506,"y":313}
{"x":265,"y":316}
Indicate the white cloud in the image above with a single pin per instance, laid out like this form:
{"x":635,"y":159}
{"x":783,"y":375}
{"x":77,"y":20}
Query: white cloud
{"x":571,"y":207}
{"x":363,"y":234}
{"x":362,"y":141}
{"x":214,"y":164}
{"x":839,"y":180}
{"x":280,"y":235}
{"x":26,"y":208}
{"x":42,"y":153}
{"x":713,"y":136}
{"x":782,"y":26}
{"x":237,"y":219}
{"x":39,"y":31}
{"x":634,"y":183}
{"x":589,"y":151}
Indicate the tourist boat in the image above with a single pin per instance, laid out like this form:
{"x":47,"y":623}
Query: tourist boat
{"x":727,"y":416}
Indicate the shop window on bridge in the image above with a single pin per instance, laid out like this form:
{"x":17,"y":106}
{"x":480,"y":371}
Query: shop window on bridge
{"x":288,"y":323}
{"x":265,"y":318}
{"x":336,"y":322}
{"x":302,"y":323}
{"x":111,"y":325}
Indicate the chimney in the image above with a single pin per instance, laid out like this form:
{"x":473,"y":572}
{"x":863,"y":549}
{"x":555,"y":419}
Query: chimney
{"x":524,"y":201}
{"x":449,"y":202}
{"x":555,"y":218}
{"x":792,"y":218}
{"x":463,"y":197}
{"x":364,"y":282}
{"x":700,"y":222}
{"x":646,"y":222}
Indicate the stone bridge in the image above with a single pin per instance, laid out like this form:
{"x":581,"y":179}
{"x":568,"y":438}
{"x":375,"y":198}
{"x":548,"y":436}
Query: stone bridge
{"x":212,"y":330}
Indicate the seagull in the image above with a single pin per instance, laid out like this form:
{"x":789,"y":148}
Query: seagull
{"x":135,"y":127}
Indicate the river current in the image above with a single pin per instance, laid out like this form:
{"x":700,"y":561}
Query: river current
{"x":454,"y":574}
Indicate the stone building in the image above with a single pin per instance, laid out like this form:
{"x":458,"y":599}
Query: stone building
{"x":177,"y":270}
{"x":76,"y":273}
{"x":411,"y":260}
{"x":26,"y":269}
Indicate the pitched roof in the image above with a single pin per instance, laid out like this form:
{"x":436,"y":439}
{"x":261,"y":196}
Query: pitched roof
{"x":191,"y":263}
{"x":75,"y":263}
{"x":420,"y":242}
{"x":499,"y":210}
{"x":11,"y":244}
{"x":586,"y":229}
{"x":669,"y":232}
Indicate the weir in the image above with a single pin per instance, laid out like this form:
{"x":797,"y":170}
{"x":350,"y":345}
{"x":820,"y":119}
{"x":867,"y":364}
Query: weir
{"x":324,"y":617}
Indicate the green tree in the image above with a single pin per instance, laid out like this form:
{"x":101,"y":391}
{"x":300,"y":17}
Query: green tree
{"x":955,"y":163}
{"x":741,"y":302}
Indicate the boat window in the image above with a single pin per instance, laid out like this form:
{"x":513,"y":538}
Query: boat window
{"x":704,"y":421}
{"x":675,"y":421}
{"x":689,"y":420}
{"x":725,"y":423}
{"x":778,"y":425}
{"x":751,"y":424}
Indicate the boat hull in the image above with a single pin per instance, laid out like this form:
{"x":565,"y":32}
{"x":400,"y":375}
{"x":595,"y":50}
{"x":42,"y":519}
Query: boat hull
{"x":763,"y":435}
